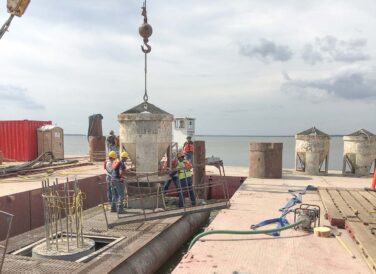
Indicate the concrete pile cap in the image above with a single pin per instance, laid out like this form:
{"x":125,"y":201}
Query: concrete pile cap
{"x":361,"y":132}
{"x":313,"y":131}
{"x":139,"y":113}
{"x":141,"y":109}
{"x":360,"y":135}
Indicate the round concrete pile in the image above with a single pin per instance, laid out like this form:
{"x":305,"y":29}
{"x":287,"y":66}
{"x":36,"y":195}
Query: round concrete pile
{"x":61,"y":253}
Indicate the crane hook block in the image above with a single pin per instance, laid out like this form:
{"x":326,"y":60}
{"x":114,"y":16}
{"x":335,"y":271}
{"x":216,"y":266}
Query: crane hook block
{"x":17,"y":7}
{"x":145,"y":30}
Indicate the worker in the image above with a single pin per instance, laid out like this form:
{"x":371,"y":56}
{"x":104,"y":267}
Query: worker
{"x":111,"y":142}
{"x":174,"y":178}
{"x":188,"y":149}
{"x":110,"y":189}
{"x":124,"y":157}
{"x":185,"y":177}
{"x":118,"y":167}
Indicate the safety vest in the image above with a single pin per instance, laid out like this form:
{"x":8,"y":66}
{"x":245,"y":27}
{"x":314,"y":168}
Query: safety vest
{"x":183,"y":173}
{"x":117,"y":167}
{"x":108,"y":167}
{"x":188,"y":147}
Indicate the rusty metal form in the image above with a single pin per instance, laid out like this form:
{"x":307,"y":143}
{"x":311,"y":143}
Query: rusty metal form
{"x":199,"y":165}
{"x":265,"y":160}
{"x":61,"y":201}
{"x":95,"y":125}
{"x":97,"y":142}
{"x":164,"y":204}
{"x":97,"y":148}
{"x":6,"y":218}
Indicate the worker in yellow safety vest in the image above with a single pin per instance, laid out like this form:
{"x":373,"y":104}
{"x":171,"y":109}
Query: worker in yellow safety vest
{"x":185,"y":178}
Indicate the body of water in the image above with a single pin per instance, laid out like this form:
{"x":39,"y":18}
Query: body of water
{"x":233,"y":150}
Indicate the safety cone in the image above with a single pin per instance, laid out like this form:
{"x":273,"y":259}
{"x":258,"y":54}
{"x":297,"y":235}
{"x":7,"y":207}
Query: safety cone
{"x":374,"y":180}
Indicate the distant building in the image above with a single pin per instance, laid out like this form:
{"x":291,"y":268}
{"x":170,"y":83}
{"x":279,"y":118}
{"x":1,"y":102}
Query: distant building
{"x":182,"y":128}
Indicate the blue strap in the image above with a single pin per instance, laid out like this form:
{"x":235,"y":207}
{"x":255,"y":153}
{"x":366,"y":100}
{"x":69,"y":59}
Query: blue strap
{"x":293,"y":201}
{"x":281,"y":222}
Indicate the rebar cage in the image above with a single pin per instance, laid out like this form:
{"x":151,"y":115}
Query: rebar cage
{"x":63,"y":215}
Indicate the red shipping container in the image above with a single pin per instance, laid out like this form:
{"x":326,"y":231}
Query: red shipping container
{"x":18,"y":139}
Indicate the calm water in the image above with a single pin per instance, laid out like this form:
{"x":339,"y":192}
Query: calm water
{"x":233,"y":150}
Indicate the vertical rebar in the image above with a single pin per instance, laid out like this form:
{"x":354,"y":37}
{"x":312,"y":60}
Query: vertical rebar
{"x":56,"y":201}
{"x":56,"y":214}
{"x":141,"y":196}
{"x":66,"y":212}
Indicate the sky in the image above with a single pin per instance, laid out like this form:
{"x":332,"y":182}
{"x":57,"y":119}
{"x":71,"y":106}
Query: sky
{"x":239,"y":67}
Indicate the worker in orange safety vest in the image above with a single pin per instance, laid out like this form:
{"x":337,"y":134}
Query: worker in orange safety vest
{"x":188,"y":149}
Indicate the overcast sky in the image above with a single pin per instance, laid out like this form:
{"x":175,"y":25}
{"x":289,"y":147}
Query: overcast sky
{"x":239,"y":67}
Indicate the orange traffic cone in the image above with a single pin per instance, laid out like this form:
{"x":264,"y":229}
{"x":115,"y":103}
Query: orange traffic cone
{"x":374,"y":180}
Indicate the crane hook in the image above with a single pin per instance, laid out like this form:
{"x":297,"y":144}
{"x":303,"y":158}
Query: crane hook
{"x":147,"y":49}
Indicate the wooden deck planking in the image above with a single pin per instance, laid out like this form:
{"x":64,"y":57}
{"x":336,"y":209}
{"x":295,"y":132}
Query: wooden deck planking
{"x":369,"y":198}
{"x":366,"y":241}
{"x":363,"y":201}
{"x":342,"y":205}
{"x":331,"y":211}
{"x":357,"y":207}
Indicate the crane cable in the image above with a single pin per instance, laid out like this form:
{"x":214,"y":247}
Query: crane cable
{"x":145,"y":32}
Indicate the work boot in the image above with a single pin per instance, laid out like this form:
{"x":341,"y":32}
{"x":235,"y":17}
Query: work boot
{"x":121,"y":211}
{"x":113,"y":209}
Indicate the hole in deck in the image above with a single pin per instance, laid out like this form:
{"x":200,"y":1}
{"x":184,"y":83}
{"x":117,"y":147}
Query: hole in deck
{"x":101,"y":244}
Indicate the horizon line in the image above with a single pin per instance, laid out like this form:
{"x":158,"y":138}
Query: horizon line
{"x":225,"y":135}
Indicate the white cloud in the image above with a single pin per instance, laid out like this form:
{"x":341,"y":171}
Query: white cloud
{"x":77,"y":58}
{"x":17,"y":97}
{"x":330,"y":49}
{"x":349,"y":84}
{"x":266,"y":51}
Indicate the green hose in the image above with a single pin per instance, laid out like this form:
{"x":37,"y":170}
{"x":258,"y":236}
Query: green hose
{"x":266,"y":231}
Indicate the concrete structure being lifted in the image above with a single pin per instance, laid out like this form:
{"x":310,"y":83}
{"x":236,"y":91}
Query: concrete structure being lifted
{"x":311,"y":151}
{"x":145,"y":135}
{"x":359,"y":152}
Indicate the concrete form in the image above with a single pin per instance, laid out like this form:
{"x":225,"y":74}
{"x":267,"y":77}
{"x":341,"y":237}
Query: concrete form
{"x":359,"y":151}
{"x":292,"y":252}
{"x":311,"y":151}
{"x":265,"y":160}
{"x":145,"y":134}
